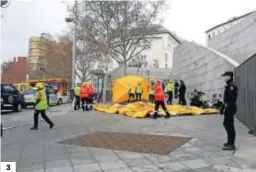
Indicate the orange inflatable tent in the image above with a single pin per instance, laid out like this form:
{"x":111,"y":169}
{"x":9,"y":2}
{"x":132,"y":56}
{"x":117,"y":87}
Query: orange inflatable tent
{"x":122,"y":85}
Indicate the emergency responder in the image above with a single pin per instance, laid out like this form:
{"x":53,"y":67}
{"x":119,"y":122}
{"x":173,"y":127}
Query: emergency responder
{"x":131,"y":93}
{"x":159,"y":100}
{"x":77,"y":97}
{"x":230,"y":96}
{"x":151,"y":92}
{"x":176,"y":88}
{"x":84,"y":95}
{"x":139,"y":91}
{"x":41,"y":106}
{"x":169,"y":90}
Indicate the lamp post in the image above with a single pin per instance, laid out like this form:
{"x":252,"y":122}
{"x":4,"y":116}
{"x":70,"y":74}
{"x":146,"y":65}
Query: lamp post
{"x":68,"y":20}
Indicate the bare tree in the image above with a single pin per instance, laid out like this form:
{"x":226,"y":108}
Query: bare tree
{"x":116,"y":28}
{"x":133,"y":20}
{"x":139,"y":61}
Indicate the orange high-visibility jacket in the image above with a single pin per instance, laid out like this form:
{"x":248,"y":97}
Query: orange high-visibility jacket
{"x":159,"y":92}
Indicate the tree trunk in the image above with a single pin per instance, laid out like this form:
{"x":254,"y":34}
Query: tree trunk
{"x":125,"y":67}
{"x":104,"y":94}
{"x":138,"y":71}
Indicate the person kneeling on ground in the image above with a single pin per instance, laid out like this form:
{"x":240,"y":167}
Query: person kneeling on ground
{"x":159,"y":100}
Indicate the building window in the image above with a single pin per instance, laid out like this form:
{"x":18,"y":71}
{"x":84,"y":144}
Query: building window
{"x":209,"y":36}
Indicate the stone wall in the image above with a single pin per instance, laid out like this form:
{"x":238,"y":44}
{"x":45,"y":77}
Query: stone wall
{"x":200,"y":68}
{"x":238,"y":42}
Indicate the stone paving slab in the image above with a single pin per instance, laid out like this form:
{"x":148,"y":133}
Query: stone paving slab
{"x":201,"y":154}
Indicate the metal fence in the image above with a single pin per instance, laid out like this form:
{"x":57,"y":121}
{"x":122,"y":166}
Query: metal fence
{"x":245,"y":77}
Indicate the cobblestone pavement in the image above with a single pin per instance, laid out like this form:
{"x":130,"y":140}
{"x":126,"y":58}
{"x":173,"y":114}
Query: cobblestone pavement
{"x":38,"y":151}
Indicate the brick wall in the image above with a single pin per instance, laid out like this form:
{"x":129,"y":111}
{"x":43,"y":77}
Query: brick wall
{"x":15,"y":71}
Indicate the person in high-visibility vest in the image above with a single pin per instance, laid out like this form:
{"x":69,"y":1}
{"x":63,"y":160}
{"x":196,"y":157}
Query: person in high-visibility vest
{"x":159,"y":100}
{"x":84,"y":95}
{"x":131,"y":93}
{"x":77,"y":97}
{"x":151,"y":92}
{"x":139,"y":91}
{"x":169,"y":90}
{"x":40,"y":106}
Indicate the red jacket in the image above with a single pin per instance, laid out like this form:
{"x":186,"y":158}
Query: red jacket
{"x":84,"y":91}
{"x":159,"y":92}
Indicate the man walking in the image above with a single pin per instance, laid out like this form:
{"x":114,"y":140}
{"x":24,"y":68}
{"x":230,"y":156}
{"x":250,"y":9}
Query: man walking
{"x":40,"y":106}
{"x":159,"y":100}
{"x":169,"y":90}
{"x":230,"y":97}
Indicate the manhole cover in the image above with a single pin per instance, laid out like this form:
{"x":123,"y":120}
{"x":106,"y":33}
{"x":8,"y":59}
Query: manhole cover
{"x":141,"y":143}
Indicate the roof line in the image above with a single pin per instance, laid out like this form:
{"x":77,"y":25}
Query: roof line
{"x":225,"y":57}
{"x":168,"y":32}
{"x":234,"y":19}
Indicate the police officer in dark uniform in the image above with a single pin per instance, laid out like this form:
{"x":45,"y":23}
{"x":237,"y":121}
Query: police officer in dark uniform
{"x":229,"y":110}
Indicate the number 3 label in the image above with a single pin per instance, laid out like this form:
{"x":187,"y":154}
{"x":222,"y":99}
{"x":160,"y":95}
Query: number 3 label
{"x":8,"y":166}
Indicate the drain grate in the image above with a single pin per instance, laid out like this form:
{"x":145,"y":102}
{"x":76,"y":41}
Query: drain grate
{"x":141,"y":143}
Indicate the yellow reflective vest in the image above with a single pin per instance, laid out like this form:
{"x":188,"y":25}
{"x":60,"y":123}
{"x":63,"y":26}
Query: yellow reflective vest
{"x":42,"y":105}
{"x":77,"y":91}
{"x":169,"y":87}
{"x":139,"y":89}
{"x":132,"y":91}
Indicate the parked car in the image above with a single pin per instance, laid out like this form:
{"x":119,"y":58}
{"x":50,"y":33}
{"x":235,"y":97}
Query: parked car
{"x":29,"y":95}
{"x":11,"y":98}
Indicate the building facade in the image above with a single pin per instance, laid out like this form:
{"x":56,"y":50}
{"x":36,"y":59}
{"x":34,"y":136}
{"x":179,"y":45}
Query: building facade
{"x":160,"y":54}
{"x":14,"y":71}
{"x":49,"y":59}
{"x":220,"y":28}
{"x":201,"y":67}
{"x":239,"y":42}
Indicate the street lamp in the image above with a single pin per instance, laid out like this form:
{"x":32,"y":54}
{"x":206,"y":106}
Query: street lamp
{"x":69,"y":20}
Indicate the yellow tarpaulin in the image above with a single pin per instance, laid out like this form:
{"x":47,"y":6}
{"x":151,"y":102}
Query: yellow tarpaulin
{"x":122,"y":85}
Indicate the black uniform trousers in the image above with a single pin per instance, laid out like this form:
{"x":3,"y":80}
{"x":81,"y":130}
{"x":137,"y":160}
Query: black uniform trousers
{"x":158,"y":104}
{"x":182,"y":100}
{"x":85,"y":100}
{"x":138,"y":96}
{"x":77,"y":102}
{"x":44,"y":116}
{"x":229,"y":124}
{"x":170,"y":97}
{"x":131,"y":97}
{"x":176,"y":93}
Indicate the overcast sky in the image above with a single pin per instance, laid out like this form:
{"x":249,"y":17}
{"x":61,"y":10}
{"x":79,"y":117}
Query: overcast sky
{"x":187,"y":18}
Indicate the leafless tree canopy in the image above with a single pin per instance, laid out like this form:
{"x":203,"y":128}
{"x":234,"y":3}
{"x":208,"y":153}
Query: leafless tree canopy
{"x":117,"y":28}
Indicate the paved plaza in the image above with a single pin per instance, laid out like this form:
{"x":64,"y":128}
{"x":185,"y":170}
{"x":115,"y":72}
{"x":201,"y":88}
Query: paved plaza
{"x":39,"y":151}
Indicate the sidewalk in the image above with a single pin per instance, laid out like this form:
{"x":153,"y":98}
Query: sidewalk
{"x":39,"y":151}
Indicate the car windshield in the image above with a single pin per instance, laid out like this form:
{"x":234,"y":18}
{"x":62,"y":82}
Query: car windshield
{"x":30,"y":91}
